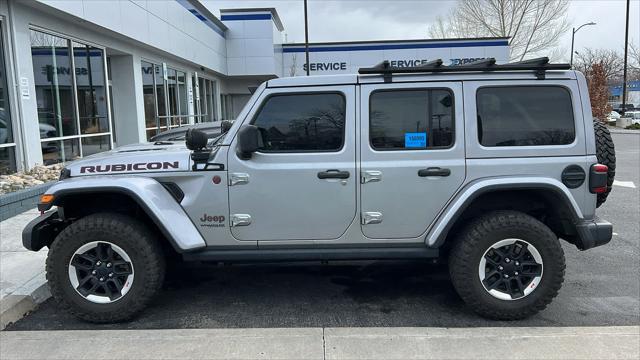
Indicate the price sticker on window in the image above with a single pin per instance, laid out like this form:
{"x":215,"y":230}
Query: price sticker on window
{"x":415,"y":140}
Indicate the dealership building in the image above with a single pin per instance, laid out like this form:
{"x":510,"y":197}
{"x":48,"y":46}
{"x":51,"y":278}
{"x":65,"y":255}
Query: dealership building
{"x":78,"y":77}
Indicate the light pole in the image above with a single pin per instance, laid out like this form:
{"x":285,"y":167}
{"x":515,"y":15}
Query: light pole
{"x":306,"y":36}
{"x":573,"y":38}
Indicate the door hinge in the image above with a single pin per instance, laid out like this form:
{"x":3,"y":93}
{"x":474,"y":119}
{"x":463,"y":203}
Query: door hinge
{"x":370,"y":176}
{"x":371,"y":217}
{"x":240,"y":219}
{"x":238,"y":179}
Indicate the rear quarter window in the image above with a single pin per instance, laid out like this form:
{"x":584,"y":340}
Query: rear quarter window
{"x":525,"y":116}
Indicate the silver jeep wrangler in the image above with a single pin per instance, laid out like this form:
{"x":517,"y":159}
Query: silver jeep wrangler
{"x":486,"y":165}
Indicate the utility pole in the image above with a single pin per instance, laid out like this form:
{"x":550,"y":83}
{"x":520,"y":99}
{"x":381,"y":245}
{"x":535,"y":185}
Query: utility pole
{"x":306,"y":35}
{"x":624,"y":76}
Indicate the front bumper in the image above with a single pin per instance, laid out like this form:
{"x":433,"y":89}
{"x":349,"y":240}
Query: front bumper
{"x":592,"y":233}
{"x":41,"y":231}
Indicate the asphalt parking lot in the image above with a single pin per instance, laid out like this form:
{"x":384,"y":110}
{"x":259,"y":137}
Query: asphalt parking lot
{"x":602,"y":286}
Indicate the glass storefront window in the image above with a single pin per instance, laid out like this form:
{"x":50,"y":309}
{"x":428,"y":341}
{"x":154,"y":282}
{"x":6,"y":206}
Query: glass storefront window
{"x":182,"y":98}
{"x":7,"y":145}
{"x":55,"y":151}
{"x":92,"y":99}
{"x":160,"y":99}
{"x":54,"y":85}
{"x":72,"y":104}
{"x":150,"y":119}
{"x":95,"y":144}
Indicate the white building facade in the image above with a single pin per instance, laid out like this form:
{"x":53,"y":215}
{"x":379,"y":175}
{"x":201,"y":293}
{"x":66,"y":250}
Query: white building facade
{"x":79,"y":77}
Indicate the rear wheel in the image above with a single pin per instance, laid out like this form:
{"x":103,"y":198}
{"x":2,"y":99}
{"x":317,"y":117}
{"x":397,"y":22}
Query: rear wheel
{"x":105,"y":268}
{"x":507,"y":265}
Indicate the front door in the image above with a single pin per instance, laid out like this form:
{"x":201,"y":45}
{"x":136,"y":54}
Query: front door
{"x":413,"y":161}
{"x":301,"y":184}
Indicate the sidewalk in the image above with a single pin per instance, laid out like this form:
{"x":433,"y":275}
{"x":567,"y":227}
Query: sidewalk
{"x":329,"y":343}
{"x":22,"y":278}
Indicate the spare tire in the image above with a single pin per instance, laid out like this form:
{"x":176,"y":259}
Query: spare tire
{"x":606,"y":154}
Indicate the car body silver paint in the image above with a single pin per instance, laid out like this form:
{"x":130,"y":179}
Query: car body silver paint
{"x":156,"y":198}
{"x":478,"y":186}
{"x":134,"y":158}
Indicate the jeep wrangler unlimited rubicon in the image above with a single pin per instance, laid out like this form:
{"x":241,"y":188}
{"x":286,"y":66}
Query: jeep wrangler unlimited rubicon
{"x":487,"y":165}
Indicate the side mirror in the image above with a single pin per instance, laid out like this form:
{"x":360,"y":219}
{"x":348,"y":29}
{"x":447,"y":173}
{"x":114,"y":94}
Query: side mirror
{"x":225,"y":125}
{"x":195,"y":139}
{"x":248,"y":141}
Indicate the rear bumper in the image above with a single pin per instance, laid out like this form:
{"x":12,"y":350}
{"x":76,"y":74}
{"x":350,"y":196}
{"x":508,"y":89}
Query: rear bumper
{"x":592,"y":233}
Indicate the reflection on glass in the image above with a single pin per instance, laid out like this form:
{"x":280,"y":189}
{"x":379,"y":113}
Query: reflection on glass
{"x":53,"y":83}
{"x":172,"y":88}
{"x":394,"y":114}
{"x":6,"y":131}
{"x":7,"y":160}
{"x":302,"y":122}
{"x":92,"y":97}
{"x":182,"y":93}
{"x":150,"y":119}
{"x":162,"y":108}
{"x":203,"y":99}
{"x":60,"y":151}
{"x":95,"y":144}
{"x":211,"y":110}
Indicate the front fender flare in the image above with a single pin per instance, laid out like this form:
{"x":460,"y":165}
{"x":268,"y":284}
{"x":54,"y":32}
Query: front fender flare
{"x":440,"y":229}
{"x":149,"y":194}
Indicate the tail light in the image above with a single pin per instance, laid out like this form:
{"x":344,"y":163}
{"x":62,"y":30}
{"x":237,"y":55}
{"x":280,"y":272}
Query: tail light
{"x":598,"y":178}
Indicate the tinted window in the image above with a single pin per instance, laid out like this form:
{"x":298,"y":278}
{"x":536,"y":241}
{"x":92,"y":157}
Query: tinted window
{"x":302,"y":122}
{"x":521,"y":116}
{"x":411,"y":119}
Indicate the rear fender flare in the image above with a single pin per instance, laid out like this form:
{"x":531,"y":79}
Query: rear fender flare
{"x":465,"y":197}
{"x":150,"y":195}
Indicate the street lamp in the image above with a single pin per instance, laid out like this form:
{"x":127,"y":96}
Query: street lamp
{"x":573,"y":37}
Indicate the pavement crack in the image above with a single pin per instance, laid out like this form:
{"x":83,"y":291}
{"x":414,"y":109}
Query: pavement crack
{"x":324,"y":346}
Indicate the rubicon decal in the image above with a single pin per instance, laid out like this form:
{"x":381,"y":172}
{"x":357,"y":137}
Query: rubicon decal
{"x":165,"y":165}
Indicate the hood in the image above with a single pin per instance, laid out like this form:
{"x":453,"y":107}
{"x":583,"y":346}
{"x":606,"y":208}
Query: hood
{"x":136,"y":158}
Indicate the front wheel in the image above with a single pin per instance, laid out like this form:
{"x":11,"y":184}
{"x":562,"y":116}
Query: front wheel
{"x":507,"y":265}
{"x":105,"y":268}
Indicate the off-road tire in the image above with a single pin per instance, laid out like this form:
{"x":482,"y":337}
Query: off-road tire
{"x":140,"y":244}
{"x":484,"y":231}
{"x":606,"y":154}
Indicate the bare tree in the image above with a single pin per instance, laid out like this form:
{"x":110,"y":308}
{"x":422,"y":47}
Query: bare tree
{"x":533,"y":26}
{"x":633,"y":62}
{"x":610,"y":60}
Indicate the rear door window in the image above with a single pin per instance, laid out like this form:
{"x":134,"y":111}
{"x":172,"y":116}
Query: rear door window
{"x":411,"y":119}
{"x":525,"y":116}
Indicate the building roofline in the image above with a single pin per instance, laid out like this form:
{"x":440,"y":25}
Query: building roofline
{"x":208,"y":14}
{"x":395,"y":41}
{"x":274,"y":14}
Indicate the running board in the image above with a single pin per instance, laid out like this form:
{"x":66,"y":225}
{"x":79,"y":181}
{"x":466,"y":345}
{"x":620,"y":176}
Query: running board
{"x":274,"y":255}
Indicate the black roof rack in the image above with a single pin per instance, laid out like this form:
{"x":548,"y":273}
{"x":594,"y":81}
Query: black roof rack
{"x":539,"y":66}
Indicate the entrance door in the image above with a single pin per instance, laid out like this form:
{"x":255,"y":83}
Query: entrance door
{"x":301,"y":184}
{"x":412,"y":146}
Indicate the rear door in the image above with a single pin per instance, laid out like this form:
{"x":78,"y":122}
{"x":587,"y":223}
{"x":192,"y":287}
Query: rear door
{"x":413,"y":161}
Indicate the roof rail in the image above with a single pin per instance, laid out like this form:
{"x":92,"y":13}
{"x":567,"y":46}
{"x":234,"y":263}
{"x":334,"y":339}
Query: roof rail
{"x":539,"y":66}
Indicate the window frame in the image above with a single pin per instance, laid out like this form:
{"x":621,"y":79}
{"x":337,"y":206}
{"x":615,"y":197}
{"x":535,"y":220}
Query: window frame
{"x":453,"y":118}
{"x":563,"y":87}
{"x":344,"y":129}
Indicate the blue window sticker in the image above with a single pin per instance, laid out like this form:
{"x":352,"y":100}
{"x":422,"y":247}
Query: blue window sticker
{"x":415,"y":140}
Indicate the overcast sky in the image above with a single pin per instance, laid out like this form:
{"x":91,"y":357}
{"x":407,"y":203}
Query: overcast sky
{"x":349,"y":20}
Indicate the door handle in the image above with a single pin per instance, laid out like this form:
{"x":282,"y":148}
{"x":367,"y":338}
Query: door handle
{"x":434,"y":171}
{"x":333,"y":174}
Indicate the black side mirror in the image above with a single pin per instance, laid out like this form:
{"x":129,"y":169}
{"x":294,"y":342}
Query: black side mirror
{"x":248,"y":141}
{"x":225,"y":125}
{"x":195,"y":139}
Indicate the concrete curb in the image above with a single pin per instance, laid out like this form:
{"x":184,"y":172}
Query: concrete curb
{"x":24,"y":300}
